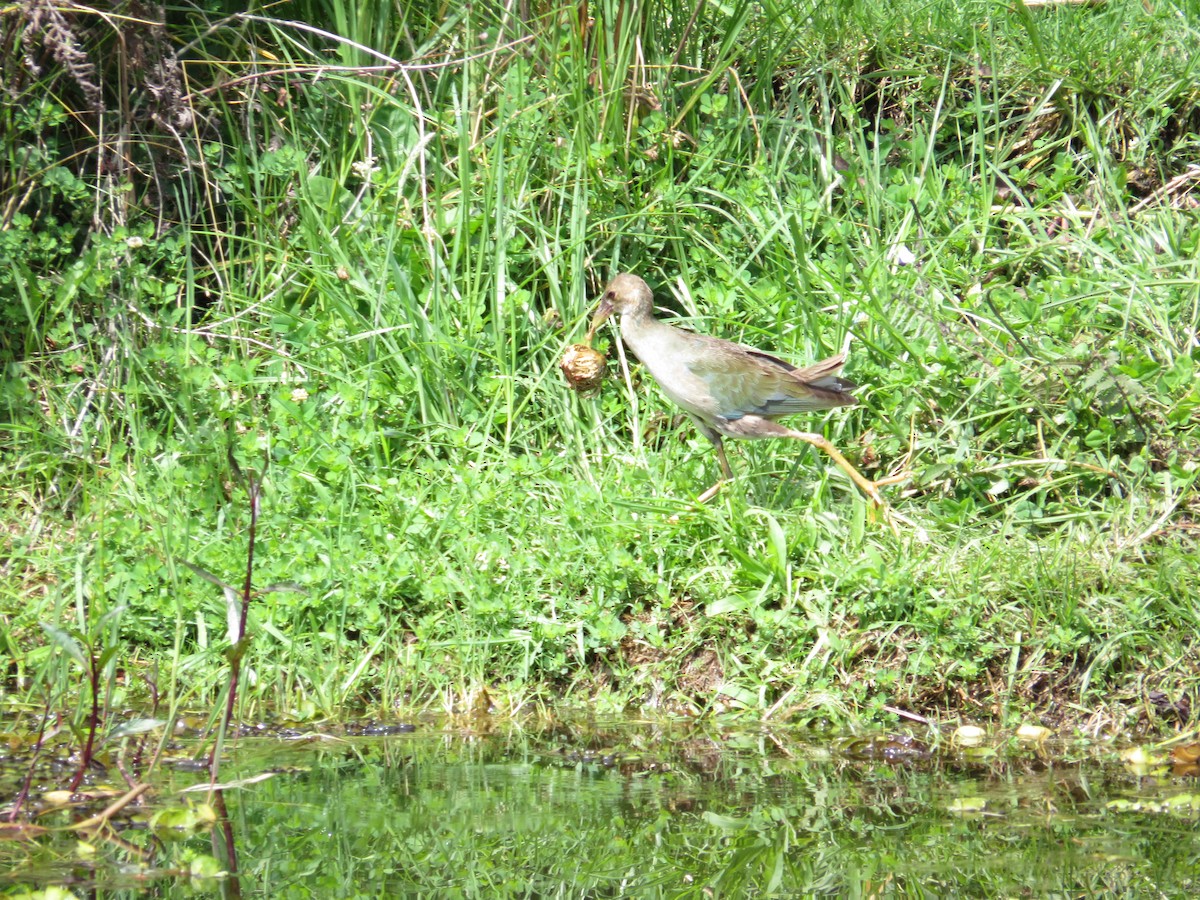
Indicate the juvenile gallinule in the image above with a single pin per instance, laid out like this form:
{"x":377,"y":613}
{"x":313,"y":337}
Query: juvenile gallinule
{"x":729,"y":390}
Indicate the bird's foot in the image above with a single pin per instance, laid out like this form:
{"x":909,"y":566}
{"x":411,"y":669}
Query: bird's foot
{"x":871,"y":488}
{"x":880,"y":507}
{"x":703,"y":498}
{"x":864,"y":484}
{"x":711,"y":492}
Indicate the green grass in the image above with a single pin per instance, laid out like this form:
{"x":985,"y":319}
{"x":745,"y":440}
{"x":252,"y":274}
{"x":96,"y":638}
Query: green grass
{"x":355,"y":279}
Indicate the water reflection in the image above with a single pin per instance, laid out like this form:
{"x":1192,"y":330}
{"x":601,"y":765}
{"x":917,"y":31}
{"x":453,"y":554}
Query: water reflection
{"x":660,"y":810}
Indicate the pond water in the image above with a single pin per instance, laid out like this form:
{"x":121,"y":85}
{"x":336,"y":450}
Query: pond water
{"x":630,"y":810}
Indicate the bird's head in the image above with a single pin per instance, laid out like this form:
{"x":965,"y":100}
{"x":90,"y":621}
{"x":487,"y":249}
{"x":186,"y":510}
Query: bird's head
{"x":625,"y":294}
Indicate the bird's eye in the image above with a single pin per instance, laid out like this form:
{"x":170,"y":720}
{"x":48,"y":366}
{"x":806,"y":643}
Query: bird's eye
{"x":610,"y":295}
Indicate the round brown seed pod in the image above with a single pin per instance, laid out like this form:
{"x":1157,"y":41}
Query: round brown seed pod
{"x":584,"y":368}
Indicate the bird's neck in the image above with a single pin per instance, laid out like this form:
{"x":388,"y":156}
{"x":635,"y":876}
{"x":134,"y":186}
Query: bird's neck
{"x":640,"y":319}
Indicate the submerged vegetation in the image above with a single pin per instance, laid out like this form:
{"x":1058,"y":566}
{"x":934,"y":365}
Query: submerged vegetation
{"x":337,"y":251}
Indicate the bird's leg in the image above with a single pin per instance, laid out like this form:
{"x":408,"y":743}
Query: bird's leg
{"x":868,"y":487}
{"x":726,"y":472}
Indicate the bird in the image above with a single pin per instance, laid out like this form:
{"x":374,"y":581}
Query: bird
{"x":728,"y":389}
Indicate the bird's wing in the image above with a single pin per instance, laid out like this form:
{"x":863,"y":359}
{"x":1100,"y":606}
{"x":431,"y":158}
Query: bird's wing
{"x":744,"y":381}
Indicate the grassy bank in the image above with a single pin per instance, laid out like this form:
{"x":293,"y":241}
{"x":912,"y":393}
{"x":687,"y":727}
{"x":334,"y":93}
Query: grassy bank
{"x":343,"y":260}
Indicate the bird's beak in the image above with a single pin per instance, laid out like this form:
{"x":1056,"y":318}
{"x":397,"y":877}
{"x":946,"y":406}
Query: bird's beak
{"x":603,"y":311}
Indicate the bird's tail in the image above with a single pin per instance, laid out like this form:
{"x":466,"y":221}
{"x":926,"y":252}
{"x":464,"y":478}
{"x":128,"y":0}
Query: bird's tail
{"x":824,"y":376}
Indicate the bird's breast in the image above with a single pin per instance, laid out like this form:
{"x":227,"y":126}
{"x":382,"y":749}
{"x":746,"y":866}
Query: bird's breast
{"x":668,"y":357}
